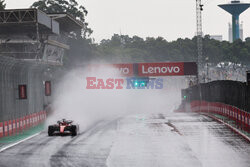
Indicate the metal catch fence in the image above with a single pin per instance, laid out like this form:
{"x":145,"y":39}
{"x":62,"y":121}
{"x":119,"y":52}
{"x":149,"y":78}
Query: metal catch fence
{"x":25,"y":89}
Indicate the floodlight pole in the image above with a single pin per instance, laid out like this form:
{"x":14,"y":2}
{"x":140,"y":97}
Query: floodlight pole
{"x":199,"y":8}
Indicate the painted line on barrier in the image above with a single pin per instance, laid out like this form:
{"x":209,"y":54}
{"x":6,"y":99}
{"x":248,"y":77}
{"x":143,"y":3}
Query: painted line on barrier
{"x":228,"y":125}
{"x":14,"y":144}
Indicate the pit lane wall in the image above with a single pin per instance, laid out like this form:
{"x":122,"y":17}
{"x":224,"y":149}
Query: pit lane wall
{"x":24,"y":96}
{"x":229,"y":99}
{"x":233,"y":93}
{"x":240,"y":117}
{"x":18,"y":125}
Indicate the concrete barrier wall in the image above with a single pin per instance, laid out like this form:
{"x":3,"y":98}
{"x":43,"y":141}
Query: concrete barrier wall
{"x":18,"y":125}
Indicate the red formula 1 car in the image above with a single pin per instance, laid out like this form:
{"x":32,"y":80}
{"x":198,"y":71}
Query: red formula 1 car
{"x":63,"y":127}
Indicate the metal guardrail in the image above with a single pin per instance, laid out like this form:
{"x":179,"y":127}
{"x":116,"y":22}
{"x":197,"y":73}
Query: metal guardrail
{"x":241,"y":117}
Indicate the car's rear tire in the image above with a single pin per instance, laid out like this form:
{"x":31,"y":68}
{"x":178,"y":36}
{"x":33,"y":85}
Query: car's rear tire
{"x":50,"y":130}
{"x":73,"y":130}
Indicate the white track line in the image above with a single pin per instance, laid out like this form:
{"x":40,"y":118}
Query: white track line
{"x":14,"y":144}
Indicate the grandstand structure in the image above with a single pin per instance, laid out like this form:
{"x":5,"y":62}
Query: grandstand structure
{"x":32,"y":35}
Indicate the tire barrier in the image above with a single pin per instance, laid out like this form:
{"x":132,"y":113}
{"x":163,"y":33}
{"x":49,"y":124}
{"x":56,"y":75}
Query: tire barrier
{"x":14,"y":127}
{"x":240,"y":117}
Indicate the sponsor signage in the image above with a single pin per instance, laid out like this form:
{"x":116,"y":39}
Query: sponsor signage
{"x":160,"y":69}
{"x":125,"y":70}
{"x":150,"y":69}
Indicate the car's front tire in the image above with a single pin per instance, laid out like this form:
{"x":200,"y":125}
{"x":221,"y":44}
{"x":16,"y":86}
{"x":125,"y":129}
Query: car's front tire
{"x":50,"y":130}
{"x":73,"y":130}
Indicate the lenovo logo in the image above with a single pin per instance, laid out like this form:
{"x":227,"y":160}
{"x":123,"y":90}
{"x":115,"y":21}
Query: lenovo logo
{"x":160,"y":69}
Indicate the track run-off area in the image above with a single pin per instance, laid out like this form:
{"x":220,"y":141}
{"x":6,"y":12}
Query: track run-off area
{"x":173,"y":139}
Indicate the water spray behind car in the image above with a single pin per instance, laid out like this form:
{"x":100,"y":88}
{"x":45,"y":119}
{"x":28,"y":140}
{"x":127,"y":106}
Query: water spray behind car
{"x":87,"y":107}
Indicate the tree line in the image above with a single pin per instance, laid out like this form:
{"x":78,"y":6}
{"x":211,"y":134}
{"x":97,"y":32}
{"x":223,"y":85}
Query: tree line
{"x":123,"y":48}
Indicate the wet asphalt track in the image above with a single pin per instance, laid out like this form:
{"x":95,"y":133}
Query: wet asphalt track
{"x":204,"y":142}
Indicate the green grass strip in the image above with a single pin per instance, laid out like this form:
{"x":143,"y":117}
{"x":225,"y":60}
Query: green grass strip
{"x":22,"y":135}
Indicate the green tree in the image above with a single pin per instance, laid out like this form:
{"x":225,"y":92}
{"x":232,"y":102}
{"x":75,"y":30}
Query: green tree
{"x":136,"y":49}
{"x":2,"y":4}
{"x":213,"y":50}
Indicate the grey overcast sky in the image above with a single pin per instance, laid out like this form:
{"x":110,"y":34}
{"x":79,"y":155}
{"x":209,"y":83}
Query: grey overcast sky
{"x":170,"y":19}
